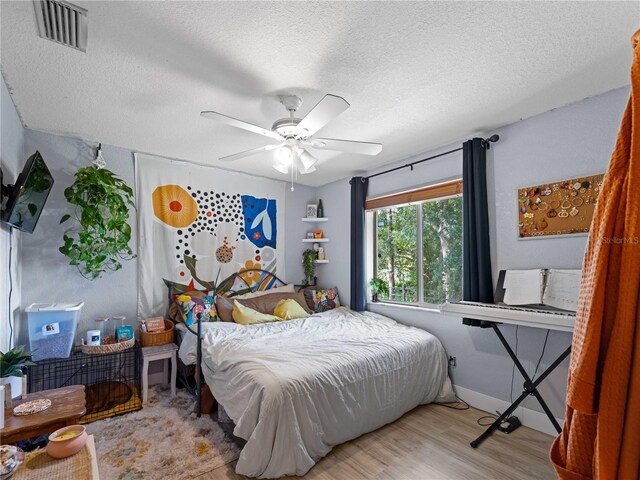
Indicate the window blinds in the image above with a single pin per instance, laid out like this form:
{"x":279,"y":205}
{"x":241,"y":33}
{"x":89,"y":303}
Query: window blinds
{"x":418,"y":195}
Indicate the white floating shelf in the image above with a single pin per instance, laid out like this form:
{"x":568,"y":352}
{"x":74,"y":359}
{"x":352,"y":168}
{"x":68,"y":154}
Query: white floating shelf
{"x":315,"y":220}
{"x":322,"y":261}
{"x":315,"y":240}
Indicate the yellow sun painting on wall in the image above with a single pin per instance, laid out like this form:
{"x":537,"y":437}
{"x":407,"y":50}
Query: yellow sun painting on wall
{"x":174,"y":206}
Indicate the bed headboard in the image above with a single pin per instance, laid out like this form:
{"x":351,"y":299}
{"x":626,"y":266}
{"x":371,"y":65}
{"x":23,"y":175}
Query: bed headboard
{"x":245,"y":281}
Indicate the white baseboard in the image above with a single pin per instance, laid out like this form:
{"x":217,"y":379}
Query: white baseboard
{"x":529,"y":418}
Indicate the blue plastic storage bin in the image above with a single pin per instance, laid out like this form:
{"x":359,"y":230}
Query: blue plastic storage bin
{"x":52,"y":328}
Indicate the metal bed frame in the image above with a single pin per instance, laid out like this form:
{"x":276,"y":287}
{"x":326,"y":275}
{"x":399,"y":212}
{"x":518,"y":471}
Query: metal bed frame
{"x":267,"y":281}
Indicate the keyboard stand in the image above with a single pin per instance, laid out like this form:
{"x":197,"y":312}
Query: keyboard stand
{"x":530,"y":388}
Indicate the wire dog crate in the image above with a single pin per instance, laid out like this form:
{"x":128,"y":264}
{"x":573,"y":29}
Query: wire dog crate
{"x":112,"y":380}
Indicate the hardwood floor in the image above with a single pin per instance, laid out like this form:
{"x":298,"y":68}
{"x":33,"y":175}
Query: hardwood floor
{"x":430,"y":443}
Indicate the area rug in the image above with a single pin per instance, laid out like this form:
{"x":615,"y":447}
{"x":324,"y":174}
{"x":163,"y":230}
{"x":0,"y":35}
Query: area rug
{"x":163,"y":440}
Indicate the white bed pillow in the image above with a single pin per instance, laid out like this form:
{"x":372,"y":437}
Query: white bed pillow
{"x":289,"y":288}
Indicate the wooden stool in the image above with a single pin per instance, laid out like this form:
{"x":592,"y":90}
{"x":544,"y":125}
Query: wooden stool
{"x":150,"y":354}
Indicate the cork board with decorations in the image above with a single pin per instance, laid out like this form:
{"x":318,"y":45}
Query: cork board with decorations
{"x":558,"y":208}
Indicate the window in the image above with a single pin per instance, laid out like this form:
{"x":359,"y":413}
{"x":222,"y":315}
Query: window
{"x":417,"y":244}
{"x":397,"y":246}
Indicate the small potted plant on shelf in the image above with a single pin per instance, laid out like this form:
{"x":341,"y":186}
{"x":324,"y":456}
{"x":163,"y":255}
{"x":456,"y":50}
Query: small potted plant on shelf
{"x":12,"y":364}
{"x":378,"y":286}
{"x":309,"y":257}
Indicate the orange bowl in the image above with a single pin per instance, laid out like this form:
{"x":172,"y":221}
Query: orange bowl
{"x":67,"y":441}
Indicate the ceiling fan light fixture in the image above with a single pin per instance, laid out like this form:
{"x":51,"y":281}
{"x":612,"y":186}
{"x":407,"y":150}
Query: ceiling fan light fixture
{"x":283,"y":155}
{"x":281,"y":168}
{"x":307,"y":160}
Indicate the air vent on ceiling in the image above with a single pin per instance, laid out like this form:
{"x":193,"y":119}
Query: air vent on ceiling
{"x":62,"y":23}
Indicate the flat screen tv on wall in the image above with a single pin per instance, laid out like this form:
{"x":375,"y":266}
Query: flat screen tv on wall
{"x":26,"y":198}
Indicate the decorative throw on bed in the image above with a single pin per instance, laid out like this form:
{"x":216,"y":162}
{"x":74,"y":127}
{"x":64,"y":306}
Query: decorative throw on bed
{"x":198,"y":224}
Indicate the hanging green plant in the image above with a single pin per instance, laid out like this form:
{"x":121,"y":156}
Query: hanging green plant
{"x":100,"y":239}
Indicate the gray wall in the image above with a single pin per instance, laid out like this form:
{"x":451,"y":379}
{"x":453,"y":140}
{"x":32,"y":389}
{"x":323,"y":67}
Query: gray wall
{"x":296,"y":230}
{"x":47,"y":275}
{"x":570,"y":141}
{"x":11,"y":160}
{"x":46,"y":271}
{"x":336,"y":201}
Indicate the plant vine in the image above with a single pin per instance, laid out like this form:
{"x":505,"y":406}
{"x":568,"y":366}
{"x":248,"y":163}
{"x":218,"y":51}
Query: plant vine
{"x":100,"y":239}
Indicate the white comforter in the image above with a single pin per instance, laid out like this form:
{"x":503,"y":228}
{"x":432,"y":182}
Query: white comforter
{"x":296,"y":388}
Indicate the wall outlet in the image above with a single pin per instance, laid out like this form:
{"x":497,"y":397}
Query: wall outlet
{"x":452,"y":361}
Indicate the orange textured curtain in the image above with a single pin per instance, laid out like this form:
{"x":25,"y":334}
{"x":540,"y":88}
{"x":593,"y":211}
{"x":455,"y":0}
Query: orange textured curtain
{"x":601,"y":435}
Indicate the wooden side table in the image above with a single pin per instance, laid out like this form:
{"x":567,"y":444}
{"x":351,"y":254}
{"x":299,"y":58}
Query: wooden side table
{"x":67,"y":406}
{"x":150,"y":354}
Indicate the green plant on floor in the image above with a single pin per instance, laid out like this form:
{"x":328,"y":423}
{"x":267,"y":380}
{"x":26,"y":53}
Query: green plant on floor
{"x":378,"y":287}
{"x":100,"y":239}
{"x":309,"y":257}
{"x":14,"y":361}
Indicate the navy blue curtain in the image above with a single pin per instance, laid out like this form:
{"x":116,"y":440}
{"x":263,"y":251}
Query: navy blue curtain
{"x":477,"y":283}
{"x":359,"y":187}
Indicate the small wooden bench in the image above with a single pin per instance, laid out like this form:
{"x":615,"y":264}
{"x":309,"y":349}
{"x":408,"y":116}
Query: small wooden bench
{"x":67,"y":406}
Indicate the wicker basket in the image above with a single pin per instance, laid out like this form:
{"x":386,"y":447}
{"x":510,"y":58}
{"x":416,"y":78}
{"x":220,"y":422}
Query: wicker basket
{"x":154,"y":339}
{"x":109,"y":348}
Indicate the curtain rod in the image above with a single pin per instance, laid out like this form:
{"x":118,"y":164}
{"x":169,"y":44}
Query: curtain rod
{"x":486,"y":143}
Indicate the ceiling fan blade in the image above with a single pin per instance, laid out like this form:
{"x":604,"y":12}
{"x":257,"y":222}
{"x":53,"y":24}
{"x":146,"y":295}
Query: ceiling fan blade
{"x":326,"y":110}
{"x":349,"y":146}
{"x":234,"y":122}
{"x":246,"y":153}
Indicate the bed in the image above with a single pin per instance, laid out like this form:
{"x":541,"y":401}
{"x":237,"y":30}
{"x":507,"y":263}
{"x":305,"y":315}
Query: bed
{"x":296,"y":388}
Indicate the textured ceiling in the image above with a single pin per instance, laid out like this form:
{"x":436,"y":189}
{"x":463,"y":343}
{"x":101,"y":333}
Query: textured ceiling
{"x":417,"y":75}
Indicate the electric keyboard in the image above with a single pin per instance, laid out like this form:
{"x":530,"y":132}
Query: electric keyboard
{"x":562,"y":320}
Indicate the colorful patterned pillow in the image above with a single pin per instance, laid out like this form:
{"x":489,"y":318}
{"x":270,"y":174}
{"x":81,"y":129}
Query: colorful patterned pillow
{"x":324,"y":300}
{"x":192,"y":305}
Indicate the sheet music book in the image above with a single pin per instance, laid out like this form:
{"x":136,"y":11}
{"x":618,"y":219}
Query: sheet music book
{"x":552,"y":287}
{"x":523,"y":287}
{"x":562,"y":289}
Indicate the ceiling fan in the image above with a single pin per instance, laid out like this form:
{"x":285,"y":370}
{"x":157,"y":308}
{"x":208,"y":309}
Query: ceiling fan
{"x":294,"y":135}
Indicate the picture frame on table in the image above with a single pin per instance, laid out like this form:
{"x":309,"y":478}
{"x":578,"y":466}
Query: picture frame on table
{"x":312,"y":211}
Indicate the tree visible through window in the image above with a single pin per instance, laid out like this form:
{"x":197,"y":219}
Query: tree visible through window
{"x":397,"y":248}
{"x":434,"y":225}
{"x":442,"y":250}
